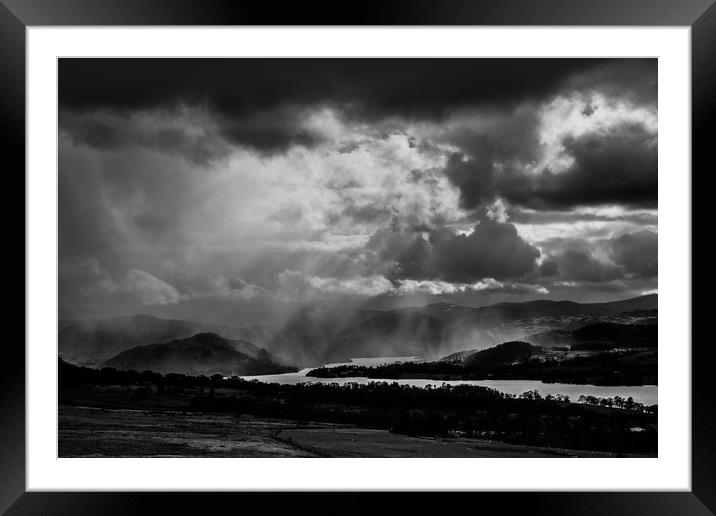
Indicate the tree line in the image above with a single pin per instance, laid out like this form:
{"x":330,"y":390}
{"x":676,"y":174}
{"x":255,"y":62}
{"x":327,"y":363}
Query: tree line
{"x":447,"y":410}
{"x":627,"y":368}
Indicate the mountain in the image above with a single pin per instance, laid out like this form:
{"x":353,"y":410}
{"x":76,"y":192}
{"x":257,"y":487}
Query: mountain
{"x":601,"y":335}
{"x":506,"y":353}
{"x":618,"y":335}
{"x":648,"y":302}
{"x":312,"y":338}
{"x":458,"y":356}
{"x":92,"y":341}
{"x":203,"y":353}
{"x":501,"y":312}
{"x":315,"y":335}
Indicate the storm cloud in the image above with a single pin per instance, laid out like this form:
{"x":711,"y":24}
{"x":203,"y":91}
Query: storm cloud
{"x":491,"y":250}
{"x":271,"y":181}
{"x":610,"y":160}
{"x":235,"y":87}
{"x":637,"y":253}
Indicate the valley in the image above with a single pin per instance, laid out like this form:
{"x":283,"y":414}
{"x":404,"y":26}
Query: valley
{"x":437,"y":381}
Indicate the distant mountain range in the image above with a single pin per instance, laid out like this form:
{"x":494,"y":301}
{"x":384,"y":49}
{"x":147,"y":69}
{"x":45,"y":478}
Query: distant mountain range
{"x":435,"y":330}
{"x":201,"y":354}
{"x":600,"y":336}
{"x":314,"y":336}
{"x":501,"y":312}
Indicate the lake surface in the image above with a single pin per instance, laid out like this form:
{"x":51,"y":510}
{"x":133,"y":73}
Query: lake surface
{"x":646,"y":394}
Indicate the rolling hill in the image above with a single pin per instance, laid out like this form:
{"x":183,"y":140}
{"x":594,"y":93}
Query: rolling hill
{"x":599,"y":336}
{"x":90,"y":342}
{"x":505,"y":353}
{"x":203,"y":353}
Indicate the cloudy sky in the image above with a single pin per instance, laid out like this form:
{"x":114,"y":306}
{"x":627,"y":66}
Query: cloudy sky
{"x":215,"y":186}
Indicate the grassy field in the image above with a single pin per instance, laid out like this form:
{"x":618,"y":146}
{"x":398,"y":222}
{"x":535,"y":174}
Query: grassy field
{"x":121,"y":432}
{"x":366,"y":442}
{"x":101,"y":432}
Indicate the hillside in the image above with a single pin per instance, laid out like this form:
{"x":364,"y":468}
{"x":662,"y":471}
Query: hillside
{"x":204,"y":353}
{"x":501,"y":312}
{"x":436,"y":330}
{"x":93,"y":341}
{"x":600,"y":336}
{"x":505,"y":353}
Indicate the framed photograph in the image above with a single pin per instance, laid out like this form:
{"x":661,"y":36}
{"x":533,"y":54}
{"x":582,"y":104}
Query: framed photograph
{"x":414,"y":249}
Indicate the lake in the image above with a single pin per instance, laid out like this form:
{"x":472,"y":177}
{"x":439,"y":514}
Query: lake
{"x":646,"y":394}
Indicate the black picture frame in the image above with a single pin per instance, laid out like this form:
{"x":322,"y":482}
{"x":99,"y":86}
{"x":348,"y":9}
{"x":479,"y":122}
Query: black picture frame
{"x":17,"y":15}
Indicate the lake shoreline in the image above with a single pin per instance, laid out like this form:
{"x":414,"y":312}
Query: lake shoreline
{"x":613,"y":425}
{"x":646,"y":394}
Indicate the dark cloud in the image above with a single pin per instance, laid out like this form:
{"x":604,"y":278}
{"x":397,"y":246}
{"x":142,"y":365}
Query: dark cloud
{"x":240,"y":86}
{"x":239,"y":92}
{"x":578,"y":263}
{"x":112,"y":131}
{"x":273,"y":137}
{"x":631,"y":79}
{"x":549,"y":267}
{"x":474,"y":176}
{"x":626,"y":257}
{"x":637,"y":252}
{"x":616,"y":167}
{"x":401,"y":253}
{"x":493,"y":250}
{"x":619,"y":167}
{"x":236,"y":283}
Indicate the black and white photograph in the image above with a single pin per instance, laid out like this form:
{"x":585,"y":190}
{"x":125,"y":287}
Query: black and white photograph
{"x":357,"y":257}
